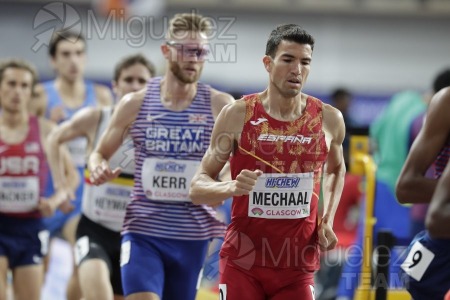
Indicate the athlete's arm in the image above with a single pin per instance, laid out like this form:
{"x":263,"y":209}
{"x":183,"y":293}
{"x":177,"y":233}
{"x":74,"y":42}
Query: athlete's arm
{"x":84,"y":123}
{"x":334,"y":174}
{"x":38,"y":102}
{"x":218,"y":101}
{"x":124,"y":115}
{"x":438,"y":216}
{"x":103,"y":95}
{"x":412,"y":186}
{"x":65,"y":178}
{"x":204,"y":189}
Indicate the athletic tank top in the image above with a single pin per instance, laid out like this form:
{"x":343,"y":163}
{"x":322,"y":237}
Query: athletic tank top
{"x":77,"y":147}
{"x":276,"y":225}
{"x":169,"y":146}
{"x":442,"y":160}
{"x":23,"y":174}
{"x":106,"y":204}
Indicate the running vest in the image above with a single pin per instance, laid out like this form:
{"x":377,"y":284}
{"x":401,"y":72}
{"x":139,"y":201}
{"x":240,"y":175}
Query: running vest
{"x":168,"y":147}
{"x":77,"y":147}
{"x":442,"y":159}
{"x":276,"y":224}
{"x":106,"y":204}
{"x":23,"y":170}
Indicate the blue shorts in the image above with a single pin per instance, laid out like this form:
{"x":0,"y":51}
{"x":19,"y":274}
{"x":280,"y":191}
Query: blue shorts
{"x":435,"y":281}
{"x":23,"y":241}
{"x":167,"y":267}
{"x":55,"y":223}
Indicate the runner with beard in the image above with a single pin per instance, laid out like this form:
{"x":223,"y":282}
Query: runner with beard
{"x":165,"y":236}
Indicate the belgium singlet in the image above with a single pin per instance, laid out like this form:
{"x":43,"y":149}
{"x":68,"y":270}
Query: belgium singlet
{"x":169,"y":146}
{"x":276,"y":225}
{"x":106,"y":204}
{"x":23,"y":174}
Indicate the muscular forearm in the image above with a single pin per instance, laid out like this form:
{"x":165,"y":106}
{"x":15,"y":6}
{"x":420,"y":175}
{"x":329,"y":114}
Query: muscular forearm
{"x":334,"y":183}
{"x":415,"y":190}
{"x":55,"y":162}
{"x":205,"y":190}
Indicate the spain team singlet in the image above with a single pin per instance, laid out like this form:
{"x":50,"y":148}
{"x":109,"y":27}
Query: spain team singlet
{"x":276,"y":225}
{"x":168,"y":149}
{"x":106,"y":204}
{"x":23,"y":174}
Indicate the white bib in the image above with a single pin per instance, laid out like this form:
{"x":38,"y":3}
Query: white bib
{"x":106,"y":202}
{"x":418,"y":261}
{"x":77,"y":148}
{"x":19,"y":194}
{"x":168,"y":179}
{"x":281,"y":196}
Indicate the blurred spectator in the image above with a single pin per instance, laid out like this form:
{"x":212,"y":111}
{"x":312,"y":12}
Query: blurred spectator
{"x":346,"y":218}
{"x":341,"y":98}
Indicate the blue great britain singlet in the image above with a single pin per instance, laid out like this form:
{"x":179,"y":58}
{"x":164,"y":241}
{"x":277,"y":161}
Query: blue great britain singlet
{"x":169,"y":146}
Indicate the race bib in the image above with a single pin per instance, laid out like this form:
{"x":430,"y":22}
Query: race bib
{"x":107,"y":202}
{"x":281,"y":196}
{"x":77,"y":148}
{"x":417,"y":261}
{"x":168,"y":180}
{"x":19,"y":194}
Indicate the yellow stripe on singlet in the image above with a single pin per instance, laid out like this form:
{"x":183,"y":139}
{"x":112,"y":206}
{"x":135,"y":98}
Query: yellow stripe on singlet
{"x":267,"y":163}
{"x":122,"y":179}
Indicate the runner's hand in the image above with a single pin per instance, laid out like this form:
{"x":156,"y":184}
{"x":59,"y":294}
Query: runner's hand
{"x":245,"y":181}
{"x":103,"y":173}
{"x":327,"y":237}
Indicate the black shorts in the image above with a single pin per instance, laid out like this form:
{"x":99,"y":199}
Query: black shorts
{"x":97,"y":242}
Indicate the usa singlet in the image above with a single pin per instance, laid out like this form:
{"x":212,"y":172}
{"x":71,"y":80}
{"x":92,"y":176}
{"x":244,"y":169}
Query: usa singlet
{"x":276,"y":224}
{"x":168,"y":149}
{"x":23,"y":174}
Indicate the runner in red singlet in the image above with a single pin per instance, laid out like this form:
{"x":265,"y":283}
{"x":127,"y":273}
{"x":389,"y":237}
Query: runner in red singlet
{"x":280,"y":141}
{"x":23,"y":176}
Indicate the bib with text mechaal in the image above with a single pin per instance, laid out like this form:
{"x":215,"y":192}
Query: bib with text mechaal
{"x":282,"y":196}
{"x":19,"y":194}
{"x":168,"y":179}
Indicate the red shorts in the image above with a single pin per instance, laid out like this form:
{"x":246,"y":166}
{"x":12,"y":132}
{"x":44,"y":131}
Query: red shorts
{"x":260,"y":283}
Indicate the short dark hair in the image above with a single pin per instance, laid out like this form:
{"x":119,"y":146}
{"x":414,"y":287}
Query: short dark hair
{"x":18,"y":64}
{"x":441,"y":81}
{"x":130,"y":61}
{"x":287,"y":32}
{"x":340,"y":93}
{"x":59,"y":36}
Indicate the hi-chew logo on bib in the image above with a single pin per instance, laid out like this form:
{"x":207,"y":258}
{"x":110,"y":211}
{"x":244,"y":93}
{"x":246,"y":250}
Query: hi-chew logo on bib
{"x":282,"y":196}
{"x":168,"y":180}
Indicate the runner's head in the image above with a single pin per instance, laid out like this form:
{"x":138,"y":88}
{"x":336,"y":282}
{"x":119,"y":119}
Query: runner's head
{"x":186,"y":46}
{"x":68,"y":54}
{"x":131,"y":74}
{"x":17,"y":80}
{"x":288,"y":58}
